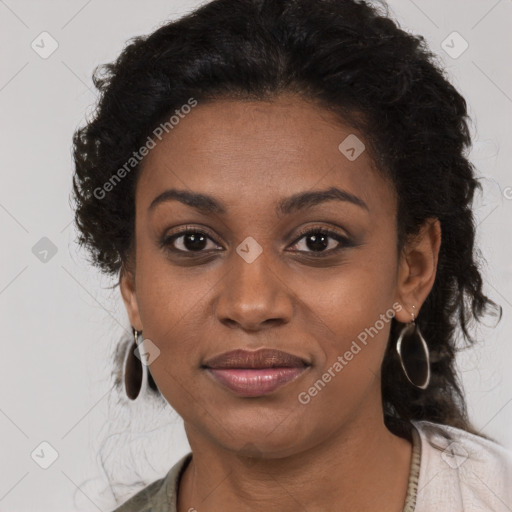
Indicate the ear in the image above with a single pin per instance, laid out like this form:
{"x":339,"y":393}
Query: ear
{"x":417,"y":269}
{"x":129,"y":294}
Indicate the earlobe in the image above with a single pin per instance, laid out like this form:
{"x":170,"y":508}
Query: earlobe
{"x":129,"y":295}
{"x":418,"y":267}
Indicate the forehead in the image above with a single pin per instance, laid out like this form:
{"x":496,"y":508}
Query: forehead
{"x":257,"y":152}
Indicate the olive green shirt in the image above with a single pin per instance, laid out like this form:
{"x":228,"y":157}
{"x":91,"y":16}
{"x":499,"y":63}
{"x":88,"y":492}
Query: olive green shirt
{"x":161,"y":495}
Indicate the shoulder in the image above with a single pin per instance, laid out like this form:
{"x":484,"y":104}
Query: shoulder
{"x":462,"y":470}
{"x":160,"y":495}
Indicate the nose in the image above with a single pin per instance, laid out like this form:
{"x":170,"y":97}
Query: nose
{"x":253,"y":296}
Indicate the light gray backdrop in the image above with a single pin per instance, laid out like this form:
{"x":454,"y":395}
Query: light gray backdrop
{"x":59,"y":323}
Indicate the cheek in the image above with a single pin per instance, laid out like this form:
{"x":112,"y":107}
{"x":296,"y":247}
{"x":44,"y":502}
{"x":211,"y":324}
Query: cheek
{"x":349,"y":361}
{"x":176,"y":369}
{"x":357,"y":307}
{"x":167,"y":294}
{"x":354,"y":295}
{"x":173,"y":310}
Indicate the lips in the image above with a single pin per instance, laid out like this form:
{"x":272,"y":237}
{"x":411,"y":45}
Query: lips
{"x":263,"y":358}
{"x":253,"y":374}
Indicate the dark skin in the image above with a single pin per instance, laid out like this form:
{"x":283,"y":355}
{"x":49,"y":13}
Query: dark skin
{"x":272,"y":452}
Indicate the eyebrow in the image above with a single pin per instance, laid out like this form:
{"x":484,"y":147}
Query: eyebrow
{"x":209,"y":205}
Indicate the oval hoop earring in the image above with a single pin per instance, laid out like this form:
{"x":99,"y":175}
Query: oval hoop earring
{"x":136,"y":376}
{"x":414,"y":355}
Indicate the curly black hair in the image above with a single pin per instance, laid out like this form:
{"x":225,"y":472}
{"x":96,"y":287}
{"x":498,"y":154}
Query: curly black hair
{"x":349,"y":57}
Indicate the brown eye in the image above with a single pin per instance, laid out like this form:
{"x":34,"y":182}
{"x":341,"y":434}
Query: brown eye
{"x":187,"y":241}
{"x":320,"y":241}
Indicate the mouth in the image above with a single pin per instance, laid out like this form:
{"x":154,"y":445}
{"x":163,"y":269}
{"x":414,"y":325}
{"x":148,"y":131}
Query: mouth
{"x":263,"y":358}
{"x":252,"y":374}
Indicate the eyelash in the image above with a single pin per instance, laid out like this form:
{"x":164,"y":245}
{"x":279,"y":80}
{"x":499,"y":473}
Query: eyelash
{"x":344,"y":242}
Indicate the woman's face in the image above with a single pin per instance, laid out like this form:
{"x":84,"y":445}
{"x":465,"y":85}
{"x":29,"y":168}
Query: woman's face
{"x":256,"y":281}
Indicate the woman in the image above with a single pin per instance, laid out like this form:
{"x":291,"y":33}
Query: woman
{"x":282,"y":189}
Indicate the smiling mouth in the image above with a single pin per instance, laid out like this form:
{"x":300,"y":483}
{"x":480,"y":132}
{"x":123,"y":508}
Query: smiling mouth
{"x":255,"y":373}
